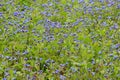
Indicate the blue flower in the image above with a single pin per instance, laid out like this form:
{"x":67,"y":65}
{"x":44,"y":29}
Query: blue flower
{"x":57,"y":71}
{"x":99,"y":17}
{"x":90,"y":9}
{"x":26,"y":65}
{"x":109,"y":17}
{"x":72,"y":0}
{"x":104,"y":24}
{"x":118,"y":0}
{"x":77,"y":22}
{"x":41,"y":71}
{"x":25,"y":59}
{"x":62,"y":77}
{"x":1,"y":5}
{"x":28,"y":76}
{"x":26,"y":20}
{"x":117,"y":45}
{"x":16,"y":13}
{"x":53,"y":24}
{"x":115,"y":57}
{"x":115,"y":26}
{"x":118,"y":6}
{"x":103,"y":7}
{"x":101,"y":1}
{"x":40,"y":59}
{"x":1,"y":14}
{"x":111,"y":3}
{"x":65,"y":35}
{"x":80,"y":1}
{"x":48,"y":61}
{"x":25,"y":52}
{"x":58,"y":25}
{"x":73,"y":69}
{"x":91,"y":1}
{"x":93,"y":73}
{"x":4,"y":79}
{"x":34,"y":0}
{"x":26,"y":7}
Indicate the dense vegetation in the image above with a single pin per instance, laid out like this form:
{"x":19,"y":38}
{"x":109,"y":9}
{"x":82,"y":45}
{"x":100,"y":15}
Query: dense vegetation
{"x":59,"y":39}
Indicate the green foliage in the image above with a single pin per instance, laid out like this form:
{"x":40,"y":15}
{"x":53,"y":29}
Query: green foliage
{"x":78,"y":50}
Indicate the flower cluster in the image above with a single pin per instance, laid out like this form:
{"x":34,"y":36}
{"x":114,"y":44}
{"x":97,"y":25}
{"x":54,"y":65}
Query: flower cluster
{"x":59,"y":40}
